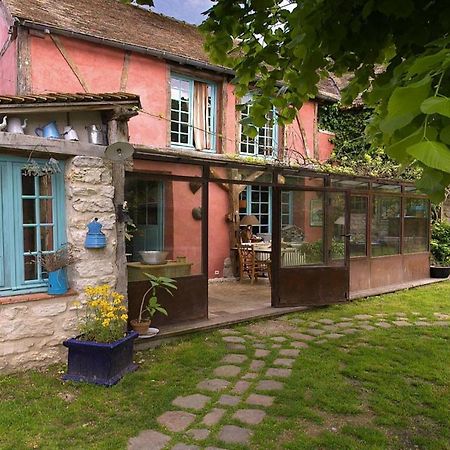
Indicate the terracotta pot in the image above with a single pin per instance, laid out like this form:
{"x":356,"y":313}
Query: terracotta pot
{"x":140,"y":327}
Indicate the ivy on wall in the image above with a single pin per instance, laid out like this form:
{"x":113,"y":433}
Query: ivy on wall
{"x":353,"y":153}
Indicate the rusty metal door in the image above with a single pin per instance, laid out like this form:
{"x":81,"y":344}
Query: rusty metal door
{"x":310,"y":247}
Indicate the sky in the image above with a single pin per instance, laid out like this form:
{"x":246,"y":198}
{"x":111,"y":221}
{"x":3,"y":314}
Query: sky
{"x":188,"y":10}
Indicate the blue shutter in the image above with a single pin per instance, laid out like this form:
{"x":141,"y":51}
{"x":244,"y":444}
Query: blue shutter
{"x":2,"y":226}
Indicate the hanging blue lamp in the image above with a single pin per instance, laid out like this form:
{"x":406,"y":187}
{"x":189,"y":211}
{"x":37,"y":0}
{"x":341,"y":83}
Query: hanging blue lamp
{"x":95,"y":238}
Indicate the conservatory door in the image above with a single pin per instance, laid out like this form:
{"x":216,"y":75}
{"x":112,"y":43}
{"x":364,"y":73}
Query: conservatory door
{"x":310,"y":252}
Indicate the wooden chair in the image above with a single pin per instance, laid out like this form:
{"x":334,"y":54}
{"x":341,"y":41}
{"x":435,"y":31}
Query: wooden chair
{"x":252,"y":266}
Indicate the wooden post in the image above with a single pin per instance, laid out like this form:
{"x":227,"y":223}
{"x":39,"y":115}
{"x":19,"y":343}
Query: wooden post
{"x":118,"y":132}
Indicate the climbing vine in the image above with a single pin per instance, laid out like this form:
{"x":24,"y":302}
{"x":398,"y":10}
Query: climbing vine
{"x":353,"y":153}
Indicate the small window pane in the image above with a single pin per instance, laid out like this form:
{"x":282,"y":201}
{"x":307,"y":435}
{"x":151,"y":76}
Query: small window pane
{"x":29,"y":239}
{"x":385,"y":226}
{"x":46,"y":211}
{"x":29,"y":211}
{"x":416,"y":225}
{"x":358,"y":225}
{"x":30,"y":268}
{"x":386,"y":187}
{"x":28,"y":186}
{"x":47,"y":239}
{"x":45,"y":186}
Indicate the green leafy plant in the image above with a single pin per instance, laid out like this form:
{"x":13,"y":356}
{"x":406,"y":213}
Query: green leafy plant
{"x":440,"y":243}
{"x":153,"y":306}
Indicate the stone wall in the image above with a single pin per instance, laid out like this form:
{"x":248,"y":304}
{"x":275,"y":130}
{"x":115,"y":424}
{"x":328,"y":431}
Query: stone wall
{"x":32,"y":332}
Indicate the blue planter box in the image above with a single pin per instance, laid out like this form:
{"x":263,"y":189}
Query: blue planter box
{"x":98,"y":363}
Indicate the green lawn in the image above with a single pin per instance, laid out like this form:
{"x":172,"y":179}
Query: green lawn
{"x":378,"y":389}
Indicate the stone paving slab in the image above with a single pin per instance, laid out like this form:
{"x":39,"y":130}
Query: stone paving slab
{"x":349,"y":331}
{"x":195,"y":401}
{"x":362,"y":316}
{"x":257,"y":364}
{"x":260,"y":400}
{"x":299,"y":344}
{"x":185,"y":447}
{"x":228,"y":371}
{"x":326,"y":321}
{"x":332,"y":336}
{"x":232,"y":434}
{"x":402,"y":323}
{"x":276,"y":346}
{"x":331,"y":328}
{"x":214,"y":448}
{"x":199,"y":434}
{"x":383,"y":324}
{"x":367,"y":327}
{"x":285,"y":362}
{"x":176,"y":421}
{"x":249,"y":416}
{"x":250,"y":376}
{"x":275,"y":372}
{"x":236,"y":347}
{"x":229,"y":400}
{"x":148,"y":439}
{"x":289,"y":352}
{"x":301,"y":336}
{"x":422,"y":323}
{"x":213,"y":417}
{"x":240,"y":387}
{"x":344,"y":324}
{"x":441,"y":323}
{"x":260,"y":353}
{"x":279,"y":339}
{"x":213,"y":385}
{"x":259,"y":345}
{"x":234,"y":359}
{"x":315,"y":331}
{"x":234,"y":339}
{"x":269,"y":385}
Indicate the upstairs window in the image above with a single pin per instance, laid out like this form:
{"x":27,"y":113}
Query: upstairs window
{"x":31,"y":222}
{"x":192,"y":113}
{"x":266,"y":141}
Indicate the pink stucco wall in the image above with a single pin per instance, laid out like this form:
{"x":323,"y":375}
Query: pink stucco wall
{"x":8,"y":64}
{"x":101,"y":68}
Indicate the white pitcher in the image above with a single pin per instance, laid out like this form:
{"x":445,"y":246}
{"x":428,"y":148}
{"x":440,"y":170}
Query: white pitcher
{"x":70,"y":134}
{"x":15,"y":125}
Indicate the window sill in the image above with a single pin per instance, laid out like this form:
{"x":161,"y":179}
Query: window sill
{"x":33,"y":297}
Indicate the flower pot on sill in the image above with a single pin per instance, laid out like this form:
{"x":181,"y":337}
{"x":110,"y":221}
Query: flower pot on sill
{"x":140,"y":327}
{"x":100,"y":363}
{"x":439,"y":271}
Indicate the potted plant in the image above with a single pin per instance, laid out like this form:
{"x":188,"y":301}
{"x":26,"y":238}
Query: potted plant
{"x":103,"y":352}
{"x":440,"y":249}
{"x":55,"y":263}
{"x":142,"y":323}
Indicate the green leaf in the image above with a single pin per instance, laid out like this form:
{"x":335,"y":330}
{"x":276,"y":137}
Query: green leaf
{"x":436,"y":105}
{"x":433,"y":182}
{"x":445,"y":135}
{"x":404,"y":105}
{"x":398,"y":150}
{"x":432,"y":153}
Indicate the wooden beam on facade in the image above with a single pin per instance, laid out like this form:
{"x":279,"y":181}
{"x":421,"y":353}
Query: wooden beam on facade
{"x":24,"y":85}
{"x":69,"y":61}
{"x":125,"y":69}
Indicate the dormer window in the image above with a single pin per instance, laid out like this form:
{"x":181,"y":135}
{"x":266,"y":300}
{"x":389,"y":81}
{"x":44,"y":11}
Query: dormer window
{"x":192,"y":113}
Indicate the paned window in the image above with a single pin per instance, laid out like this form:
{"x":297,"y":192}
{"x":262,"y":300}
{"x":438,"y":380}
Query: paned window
{"x":31,"y":222}
{"x":416,"y":224}
{"x":192,"y":113}
{"x":265,"y":142}
{"x":385,"y":239}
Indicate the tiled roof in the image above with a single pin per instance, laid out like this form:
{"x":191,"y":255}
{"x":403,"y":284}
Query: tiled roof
{"x":68,"y":98}
{"x":114,"y":22}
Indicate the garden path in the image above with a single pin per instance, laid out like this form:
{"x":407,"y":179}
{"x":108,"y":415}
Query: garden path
{"x":227,"y":408}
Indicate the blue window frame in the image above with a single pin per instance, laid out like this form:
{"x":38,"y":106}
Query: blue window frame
{"x":265,"y":144}
{"x":192,"y":113}
{"x":31,"y":221}
{"x":259,"y":203}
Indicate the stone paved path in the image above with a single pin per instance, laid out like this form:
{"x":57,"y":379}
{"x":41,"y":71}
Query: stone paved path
{"x":240,"y":391}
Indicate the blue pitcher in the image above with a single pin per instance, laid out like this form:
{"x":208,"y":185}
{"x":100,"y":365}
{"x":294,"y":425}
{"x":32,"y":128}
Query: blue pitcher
{"x":57,"y":282}
{"x":49,"y":131}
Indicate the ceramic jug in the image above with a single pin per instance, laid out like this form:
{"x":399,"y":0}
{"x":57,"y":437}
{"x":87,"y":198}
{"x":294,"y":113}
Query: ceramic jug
{"x":70,"y":134}
{"x":4,"y":123}
{"x":15,"y":125}
{"x":49,"y":131}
